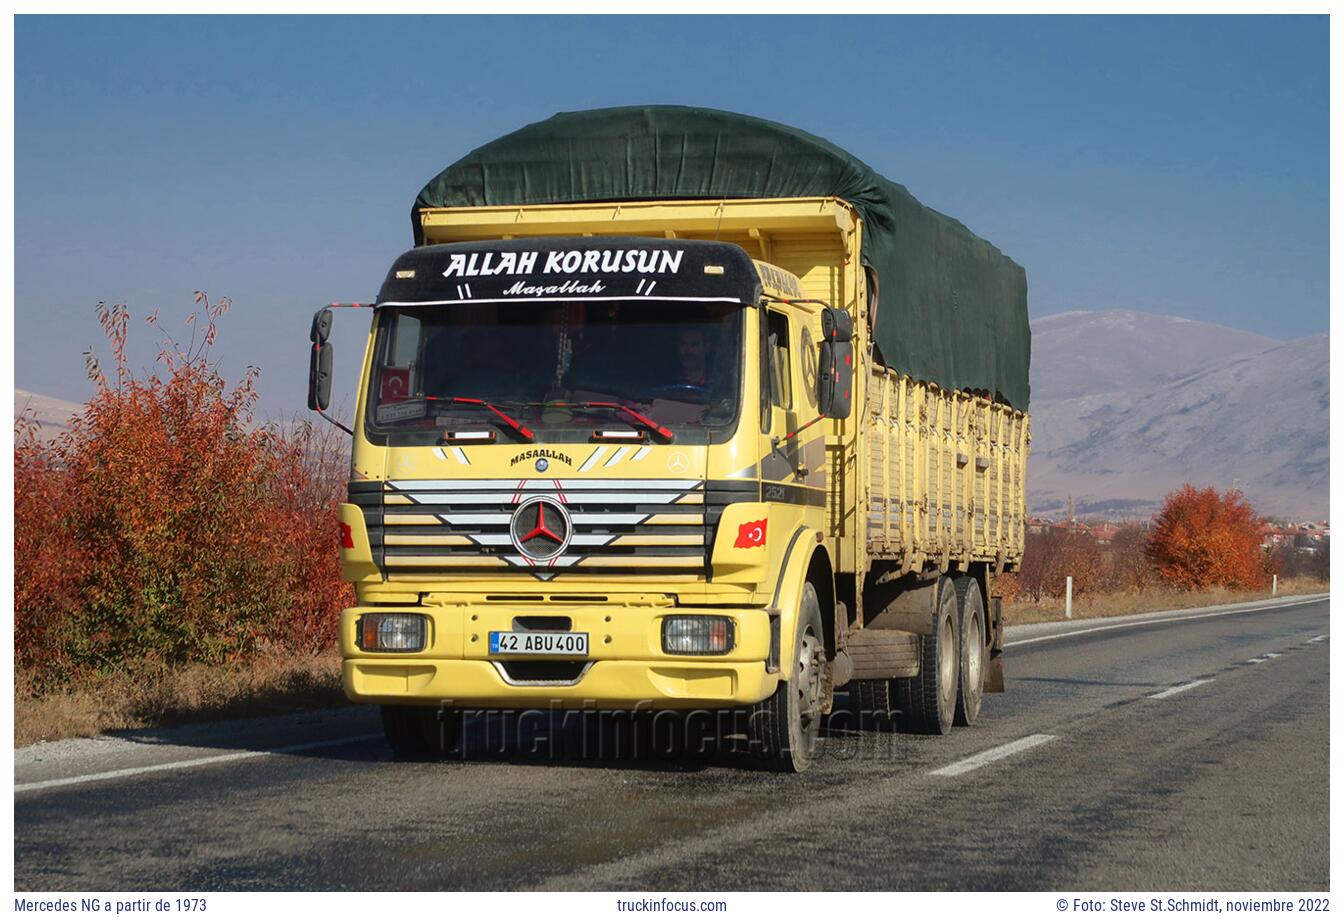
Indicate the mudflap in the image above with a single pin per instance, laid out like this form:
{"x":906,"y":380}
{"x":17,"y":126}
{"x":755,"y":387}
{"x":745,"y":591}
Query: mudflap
{"x":842,"y":667}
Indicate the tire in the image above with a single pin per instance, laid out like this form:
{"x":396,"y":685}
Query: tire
{"x":783,"y":728}
{"x":874,"y":702}
{"x":415,"y":732}
{"x":932,"y":695}
{"x":974,"y":654}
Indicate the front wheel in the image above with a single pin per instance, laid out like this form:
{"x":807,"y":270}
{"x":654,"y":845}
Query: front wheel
{"x":784,"y":727}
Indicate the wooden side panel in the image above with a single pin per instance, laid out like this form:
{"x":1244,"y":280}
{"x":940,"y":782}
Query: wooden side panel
{"x":947,"y":475}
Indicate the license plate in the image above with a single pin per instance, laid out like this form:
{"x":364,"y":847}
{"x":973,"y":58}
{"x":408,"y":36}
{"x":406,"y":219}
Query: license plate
{"x":568,"y":644}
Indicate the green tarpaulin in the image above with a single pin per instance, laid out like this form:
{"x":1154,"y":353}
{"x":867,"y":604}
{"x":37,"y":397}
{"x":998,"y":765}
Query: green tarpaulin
{"x":952,"y":308}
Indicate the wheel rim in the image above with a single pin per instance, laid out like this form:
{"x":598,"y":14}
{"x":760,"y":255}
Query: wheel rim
{"x":947,"y":662}
{"x":974,"y":657}
{"x":807,"y":683}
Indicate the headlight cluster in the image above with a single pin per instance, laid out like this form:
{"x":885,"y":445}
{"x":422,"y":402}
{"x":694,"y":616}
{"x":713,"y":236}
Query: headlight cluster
{"x":392,"y":632}
{"x":697,"y":635}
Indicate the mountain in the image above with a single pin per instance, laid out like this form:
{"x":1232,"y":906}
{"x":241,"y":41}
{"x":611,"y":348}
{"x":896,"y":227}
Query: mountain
{"x":52,"y":415}
{"x":1115,"y":351}
{"x":1128,"y":406}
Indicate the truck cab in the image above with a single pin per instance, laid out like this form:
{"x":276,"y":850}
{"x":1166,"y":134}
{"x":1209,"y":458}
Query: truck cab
{"x":593,"y":472}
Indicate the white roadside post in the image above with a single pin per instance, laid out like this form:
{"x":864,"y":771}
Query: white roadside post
{"x":1273,"y":592}
{"x":1068,"y":597}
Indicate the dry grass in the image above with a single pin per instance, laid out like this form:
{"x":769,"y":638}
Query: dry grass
{"x":1158,"y":598}
{"x":268,"y":686}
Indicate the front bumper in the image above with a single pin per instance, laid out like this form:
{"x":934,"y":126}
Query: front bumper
{"x":625,"y":669}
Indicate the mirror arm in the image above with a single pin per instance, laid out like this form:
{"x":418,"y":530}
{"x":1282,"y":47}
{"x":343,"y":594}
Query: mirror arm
{"x":776,"y":441}
{"x":334,"y":422}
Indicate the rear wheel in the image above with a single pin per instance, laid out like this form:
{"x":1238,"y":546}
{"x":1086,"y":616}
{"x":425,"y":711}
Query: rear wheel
{"x":971,"y":679}
{"x":874,"y":701}
{"x":784,"y":727}
{"x":420,"y":731}
{"x":932,"y":695}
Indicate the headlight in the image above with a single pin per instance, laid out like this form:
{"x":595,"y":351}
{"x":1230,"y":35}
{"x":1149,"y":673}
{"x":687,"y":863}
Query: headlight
{"x":392,"y":632}
{"x":697,"y":635}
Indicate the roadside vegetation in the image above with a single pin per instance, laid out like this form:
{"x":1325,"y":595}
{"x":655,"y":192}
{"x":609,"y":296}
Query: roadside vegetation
{"x":1202,"y":548}
{"x":1114,"y":604}
{"x":269,"y":684}
{"x":172,"y":557}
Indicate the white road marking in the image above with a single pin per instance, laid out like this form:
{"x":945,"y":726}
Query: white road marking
{"x":1175,"y":619}
{"x":1256,"y":660}
{"x":1272,"y":654}
{"x":1317,"y":639}
{"x":187,"y":764}
{"x":993,"y":754}
{"x":1172,"y":691}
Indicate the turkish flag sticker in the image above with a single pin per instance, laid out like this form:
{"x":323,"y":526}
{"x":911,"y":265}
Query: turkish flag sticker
{"x":394,"y":384}
{"x":751,"y":534}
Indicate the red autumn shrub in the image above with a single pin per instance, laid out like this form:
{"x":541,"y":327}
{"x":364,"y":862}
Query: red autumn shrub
{"x":1201,"y":539}
{"x":1007,"y":586}
{"x":1129,"y":569}
{"x":1052,"y":556}
{"x":164,"y":527}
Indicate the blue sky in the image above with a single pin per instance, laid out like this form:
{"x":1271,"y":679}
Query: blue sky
{"x":1174,"y":165}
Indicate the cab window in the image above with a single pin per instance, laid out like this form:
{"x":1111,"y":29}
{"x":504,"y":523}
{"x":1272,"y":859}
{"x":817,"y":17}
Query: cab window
{"x":781,"y":382}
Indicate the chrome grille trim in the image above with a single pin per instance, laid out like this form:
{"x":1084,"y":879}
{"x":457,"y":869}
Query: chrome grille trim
{"x":465,"y":523}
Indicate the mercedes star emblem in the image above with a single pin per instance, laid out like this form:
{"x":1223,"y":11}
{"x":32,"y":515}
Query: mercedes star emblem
{"x":541,"y":529}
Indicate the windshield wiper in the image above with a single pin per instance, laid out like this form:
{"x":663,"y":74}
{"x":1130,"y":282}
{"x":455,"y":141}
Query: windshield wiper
{"x":518,"y":427}
{"x":658,"y":431}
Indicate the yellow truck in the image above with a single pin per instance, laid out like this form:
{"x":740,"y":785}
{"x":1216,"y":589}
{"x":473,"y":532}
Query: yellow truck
{"x":619,"y":446}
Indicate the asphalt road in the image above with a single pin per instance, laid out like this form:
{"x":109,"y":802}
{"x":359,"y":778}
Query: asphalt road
{"x":1104,"y":767}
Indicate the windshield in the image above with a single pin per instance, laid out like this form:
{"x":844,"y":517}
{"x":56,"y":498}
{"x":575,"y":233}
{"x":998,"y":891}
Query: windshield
{"x":561,"y":372}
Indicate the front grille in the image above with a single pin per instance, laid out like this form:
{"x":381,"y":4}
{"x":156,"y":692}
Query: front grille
{"x":641,"y":526}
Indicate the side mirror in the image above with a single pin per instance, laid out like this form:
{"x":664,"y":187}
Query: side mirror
{"x":319,"y":377}
{"x":835,"y":365}
{"x":321,"y":330}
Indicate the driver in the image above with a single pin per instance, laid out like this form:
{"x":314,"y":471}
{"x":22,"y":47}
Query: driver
{"x":693,"y":348}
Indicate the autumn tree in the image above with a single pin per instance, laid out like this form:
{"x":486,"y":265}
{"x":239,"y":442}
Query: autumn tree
{"x":1302,"y":557}
{"x":1201,"y":539}
{"x":166,"y":526}
{"x":1128,"y":568}
{"x":1054,"y":555}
